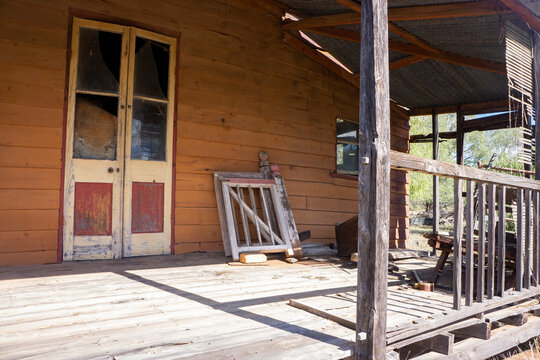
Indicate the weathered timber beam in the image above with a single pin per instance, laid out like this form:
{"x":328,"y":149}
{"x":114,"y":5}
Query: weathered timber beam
{"x":373,"y":183}
{"x":508,"y":170}
{"x":516,"y":320}
{"x":442,"y":135}
{"x":411,"y":37}
{"x":524,"y":13}
{"x":354,"y":6}
{"x":323,"y":313}
{"x":402,"y":161}
{"x":318,"y":57}
{"x":467,"y":109}
{"x":448,"y":57}
{"x":429,"y":326}
{"x":440,"y":11}
{"x":413,"y":59}
{"x":441,"y":343}
{"x":415,"y":50}
{"x":493,"y":122}
{"x":479,"y":331}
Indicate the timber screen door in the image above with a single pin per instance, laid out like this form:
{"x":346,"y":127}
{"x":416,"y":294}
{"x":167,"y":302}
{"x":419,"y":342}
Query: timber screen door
{"x":118,"y":168}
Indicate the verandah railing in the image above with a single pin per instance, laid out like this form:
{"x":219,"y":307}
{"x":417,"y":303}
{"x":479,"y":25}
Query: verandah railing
{"x":490,"y":280}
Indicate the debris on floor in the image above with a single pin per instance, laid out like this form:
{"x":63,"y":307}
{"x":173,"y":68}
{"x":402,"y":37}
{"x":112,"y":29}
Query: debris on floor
{"x":252,"y":258}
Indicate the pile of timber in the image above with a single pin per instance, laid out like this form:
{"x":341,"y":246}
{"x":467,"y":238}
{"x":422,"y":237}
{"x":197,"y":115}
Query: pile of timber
{"x":453,"y":335}
{"x":477,"y":337}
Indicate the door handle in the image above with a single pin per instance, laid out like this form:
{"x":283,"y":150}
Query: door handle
{"x":110,"y":170}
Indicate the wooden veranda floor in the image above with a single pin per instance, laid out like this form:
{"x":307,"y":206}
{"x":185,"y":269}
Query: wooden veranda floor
{"x":189,"y":306}
{"x":192,"y":306}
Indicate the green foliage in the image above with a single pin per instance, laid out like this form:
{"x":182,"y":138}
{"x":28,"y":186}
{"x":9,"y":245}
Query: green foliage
{"x":502,"y":145}
{"x":421,"y":185}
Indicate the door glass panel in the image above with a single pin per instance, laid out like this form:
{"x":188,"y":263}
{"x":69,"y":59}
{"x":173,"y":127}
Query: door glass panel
{"x":148,"y":130}
{"x":99,"y":61}
{"x":151,"y":69}
{"x":94,"y":135}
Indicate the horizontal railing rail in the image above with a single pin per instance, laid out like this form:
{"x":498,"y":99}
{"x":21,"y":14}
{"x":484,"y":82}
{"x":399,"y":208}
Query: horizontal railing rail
{"x":399,"y":160}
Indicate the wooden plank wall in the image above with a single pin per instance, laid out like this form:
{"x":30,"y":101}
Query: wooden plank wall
{"x":240,"y":90}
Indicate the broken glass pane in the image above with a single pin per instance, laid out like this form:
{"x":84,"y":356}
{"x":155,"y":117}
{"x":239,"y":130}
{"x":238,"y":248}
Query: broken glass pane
{"x":151,"y":69}
{"x":347,"y":157}
{"x":346,"y":131}
{"x":94,"y":135}
{"x":148,"y":130}
{"x":99,"y":61}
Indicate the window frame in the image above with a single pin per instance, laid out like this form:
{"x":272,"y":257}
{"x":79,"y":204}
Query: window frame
{"x":338,"y":142}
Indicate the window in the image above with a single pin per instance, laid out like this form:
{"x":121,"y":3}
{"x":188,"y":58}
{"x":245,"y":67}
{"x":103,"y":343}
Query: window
{"x":346,"y":146}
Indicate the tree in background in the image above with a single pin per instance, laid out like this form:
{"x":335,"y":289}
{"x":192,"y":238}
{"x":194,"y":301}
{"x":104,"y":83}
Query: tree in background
{"x":503,"y":145}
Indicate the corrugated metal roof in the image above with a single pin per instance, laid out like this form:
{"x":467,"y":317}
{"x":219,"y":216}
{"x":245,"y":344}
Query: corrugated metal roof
{"x":430,"y":83}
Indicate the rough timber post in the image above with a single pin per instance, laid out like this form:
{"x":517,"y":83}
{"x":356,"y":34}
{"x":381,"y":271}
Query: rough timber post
{"x":460,"y":137}
{"x":435,"y":132}
{"x":536,"y":52}
{"x":373,"y":183}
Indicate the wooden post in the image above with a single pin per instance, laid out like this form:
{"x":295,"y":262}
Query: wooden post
{"x":435,"y":132}
{"x":460,"y":136}
{"x":536,"y":52}
{"x":373,"y":183}
{"x":480,"y":274}
{"x":469,"y":263}
{"x":458,"y":233}
{"x":501,"y":241}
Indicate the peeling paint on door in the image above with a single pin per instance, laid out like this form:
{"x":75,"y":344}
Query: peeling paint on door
{"x":93,"y":209}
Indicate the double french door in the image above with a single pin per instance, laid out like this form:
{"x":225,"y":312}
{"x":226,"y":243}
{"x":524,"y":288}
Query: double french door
{"x":118,"y":149}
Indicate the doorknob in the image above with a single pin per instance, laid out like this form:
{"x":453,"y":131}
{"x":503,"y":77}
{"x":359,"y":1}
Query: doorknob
{"x":110,"y":170}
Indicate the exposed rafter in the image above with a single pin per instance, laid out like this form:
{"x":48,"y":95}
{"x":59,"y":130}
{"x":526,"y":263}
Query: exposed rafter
{"x":351,"y":4}
{"x":440,"y":11}
{"x":411,"y":37}
{"x":396,"y":64}
{"x":417,"y":50}
{"x":524,"y":13}
{"x":449,"y":57}
{"x":318,"y":57}
{"x":354,"y":6}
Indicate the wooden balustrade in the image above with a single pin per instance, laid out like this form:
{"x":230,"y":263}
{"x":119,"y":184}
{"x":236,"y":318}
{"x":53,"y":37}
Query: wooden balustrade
{"x":500,"y":264}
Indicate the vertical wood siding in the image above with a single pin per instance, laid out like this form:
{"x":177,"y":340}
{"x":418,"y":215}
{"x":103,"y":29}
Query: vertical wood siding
{"x":241,"y":90}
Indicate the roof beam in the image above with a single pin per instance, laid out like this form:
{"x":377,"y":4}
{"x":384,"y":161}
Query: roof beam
{"x":449,"y":57}
{"x":353,"y":5}
{"x":466,"y":109}
{"x":413,"y":59}
{"x":320,"y":58}
{"x":440,"y":11}
{"x":524,"y":13}
{"x":417,"y":50}
{"x":410,"y":37}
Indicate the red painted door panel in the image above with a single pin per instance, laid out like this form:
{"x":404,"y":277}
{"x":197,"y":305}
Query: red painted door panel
{"x":147,"y":207}
{"x":93,"y":209}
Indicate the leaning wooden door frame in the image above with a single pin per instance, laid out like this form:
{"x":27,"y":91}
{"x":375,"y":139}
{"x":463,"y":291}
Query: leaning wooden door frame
{"x":83,"y":15}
